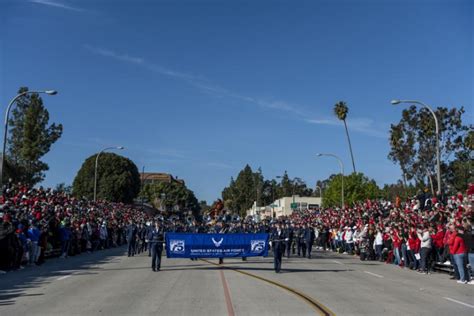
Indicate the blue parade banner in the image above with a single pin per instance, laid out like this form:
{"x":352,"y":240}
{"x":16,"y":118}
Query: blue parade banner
{"x":186,"y":245}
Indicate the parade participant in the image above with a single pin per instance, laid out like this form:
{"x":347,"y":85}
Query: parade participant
{"x":223,"y":230}
{"x":278,"y":239}
{"x":155,"y":239}
{"x":288,"y":234}
{"x":197,"y":229}
{"x":142,"y":233}
{"x":131,"y":238}
{"x":245,"y":230}
{"x":301,"y":246}
{"x":308,"y":238}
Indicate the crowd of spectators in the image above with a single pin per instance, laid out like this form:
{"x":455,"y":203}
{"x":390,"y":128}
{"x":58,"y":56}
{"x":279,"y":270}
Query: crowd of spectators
{"x":37,"y":223}
{"x":416,"y":234}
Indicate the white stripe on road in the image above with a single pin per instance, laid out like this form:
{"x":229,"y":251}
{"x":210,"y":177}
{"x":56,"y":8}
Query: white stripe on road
{"x":64,"y":277}
{"x":338,"y":262}
{"x":455,"y":301}
{"x":375,"y":275}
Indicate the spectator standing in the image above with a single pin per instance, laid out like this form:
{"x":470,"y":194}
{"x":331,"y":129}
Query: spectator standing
{"x":459,"y":254}
{"x":349,"y":240}
{"x":414,"y":250}
{"x":469,"y":242}
{"x":425,"y":251}
{"x":33,"y":235}
{"x":65,"y":238}
{"x":378,"y":244}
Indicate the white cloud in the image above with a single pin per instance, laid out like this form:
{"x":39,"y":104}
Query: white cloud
{"x":57,"y":4}
{"x":362,"y":125}
{"x":109,"y":53}
{"x":197,"y":81}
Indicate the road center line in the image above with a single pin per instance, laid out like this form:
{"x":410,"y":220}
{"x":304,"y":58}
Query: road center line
{"x":228,"y":301}
{"x":322,"y":310}
{"x":375,"y":275}
{"x":64,"y":277}
{"x":456,"y":301}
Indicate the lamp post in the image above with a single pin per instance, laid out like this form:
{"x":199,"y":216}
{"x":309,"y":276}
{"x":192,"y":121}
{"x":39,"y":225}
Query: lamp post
{"x":273,"y":204}
{"x":438,"y":163}
{"x":96,"y":164}
{"x":320,"y":192}
{"x":5,"y":132}
{"x":342,"y":174}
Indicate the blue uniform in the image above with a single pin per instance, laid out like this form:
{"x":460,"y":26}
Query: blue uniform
{"x":309,"y":237}
{"x":278,"y":239}
{"x":132,"y":231}
{"x":155,"y":238}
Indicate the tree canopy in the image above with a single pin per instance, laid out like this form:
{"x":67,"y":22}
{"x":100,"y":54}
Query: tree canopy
{"x":118,"y":179}
{"x":357,"y":187}
{"x":168,"y":195}
{"x":30,"y":138}
{"x":413,"y":145}
{"x":250,"y":186}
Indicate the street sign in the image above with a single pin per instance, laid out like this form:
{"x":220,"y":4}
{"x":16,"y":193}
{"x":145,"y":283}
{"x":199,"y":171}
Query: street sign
{"x":294,"y":205}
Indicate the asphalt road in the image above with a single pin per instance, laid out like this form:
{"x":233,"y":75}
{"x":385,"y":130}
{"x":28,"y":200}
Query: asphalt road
{"x":109,"y":283}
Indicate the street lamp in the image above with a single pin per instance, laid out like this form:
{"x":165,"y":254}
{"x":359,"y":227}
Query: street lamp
{"x":320,"y":192}
{"x":5,"y":132}
{"x":273,"y":198}
{"x":438,"y":164}
{"x":96,"y":164}
{"x":342,"y":173}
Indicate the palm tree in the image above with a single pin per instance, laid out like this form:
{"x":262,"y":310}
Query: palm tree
{"x":341,"y":110}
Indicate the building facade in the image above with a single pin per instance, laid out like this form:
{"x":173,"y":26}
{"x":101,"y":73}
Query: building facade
{"x":283,"y":207}
{"x":157,"y":177}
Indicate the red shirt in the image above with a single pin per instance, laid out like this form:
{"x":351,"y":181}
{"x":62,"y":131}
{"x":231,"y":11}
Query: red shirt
{"x":451,"y":240}
{"x":414,"y":244}
{"x":397,"y":242}
{"x":458,"y":246}
{"x":438,"y":239}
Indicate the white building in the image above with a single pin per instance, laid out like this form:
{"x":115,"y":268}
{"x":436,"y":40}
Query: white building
{"x":283,"y":206}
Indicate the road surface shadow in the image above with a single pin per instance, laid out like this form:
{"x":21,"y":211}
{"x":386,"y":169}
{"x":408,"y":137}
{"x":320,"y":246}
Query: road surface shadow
{"x":15,"y":284}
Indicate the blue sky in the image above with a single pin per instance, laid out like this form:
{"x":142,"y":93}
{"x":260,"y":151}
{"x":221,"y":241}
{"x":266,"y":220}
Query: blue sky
{"x":200,"y":88}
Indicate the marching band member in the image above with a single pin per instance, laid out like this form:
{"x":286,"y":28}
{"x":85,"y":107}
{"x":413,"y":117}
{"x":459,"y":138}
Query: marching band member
{"x":155,"y":239}
{"x":278,"y":238}
{"x":223,"y":230}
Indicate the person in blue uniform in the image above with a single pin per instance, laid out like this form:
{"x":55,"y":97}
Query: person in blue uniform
{"x":309,"y":237}
{"x":155,"y":240}
{"x":132,"y":232}
{"x":289,"y":234}
{"x":278,"y":238}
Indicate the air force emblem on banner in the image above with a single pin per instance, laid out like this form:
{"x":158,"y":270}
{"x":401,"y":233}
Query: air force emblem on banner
{"x":177,"y":246}
{"x":217,"y":243}
{"x":257,"y":245}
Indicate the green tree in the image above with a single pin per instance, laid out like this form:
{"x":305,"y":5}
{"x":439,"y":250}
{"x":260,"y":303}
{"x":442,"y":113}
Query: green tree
{"x":402,"y":144}
{"x":357,"y":188}
{"x":460,"y":171}
{"x":285,"y":187}
{"x":169,"y":195}
{"x":251,"y":186}
{"x":62,"y":187}
{"x":341,"y":110}
{"x":413,"y":140}
{"x":30,"y":138}
{"x":390,"y":191}
{"x":118,"y":179}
